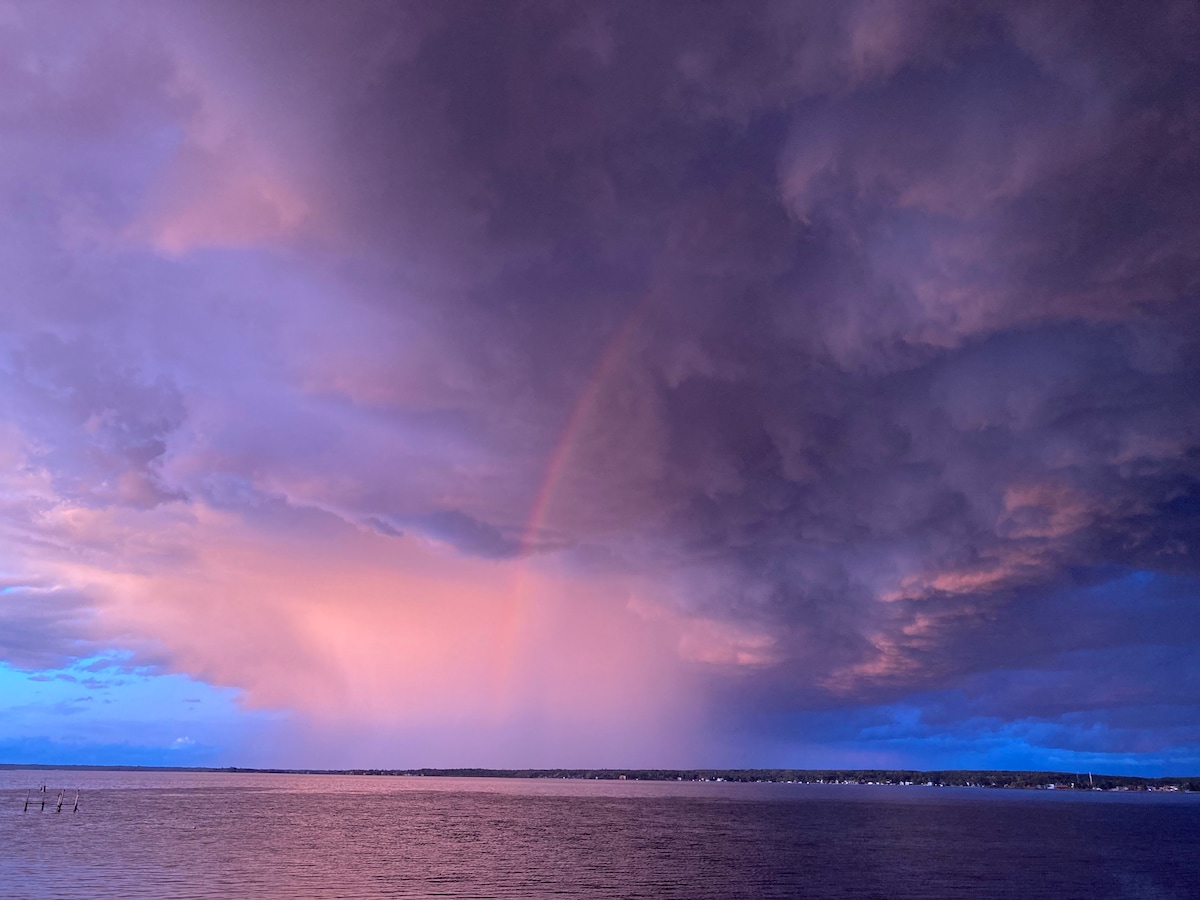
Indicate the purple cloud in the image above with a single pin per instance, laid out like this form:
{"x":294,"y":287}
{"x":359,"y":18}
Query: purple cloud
{"x":844,"y":355}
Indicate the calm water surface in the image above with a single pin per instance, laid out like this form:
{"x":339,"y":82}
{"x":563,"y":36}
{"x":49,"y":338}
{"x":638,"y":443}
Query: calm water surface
{"x":168,"y":835}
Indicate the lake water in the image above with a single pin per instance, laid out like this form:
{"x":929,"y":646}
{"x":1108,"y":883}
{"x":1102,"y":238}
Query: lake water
{"x":175,"y":835}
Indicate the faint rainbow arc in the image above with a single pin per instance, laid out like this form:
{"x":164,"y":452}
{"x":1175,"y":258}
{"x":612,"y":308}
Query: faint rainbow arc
{"x":556,"y":467}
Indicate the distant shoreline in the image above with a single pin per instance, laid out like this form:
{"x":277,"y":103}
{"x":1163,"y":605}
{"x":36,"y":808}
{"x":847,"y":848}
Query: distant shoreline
{"x":1029,"y":780}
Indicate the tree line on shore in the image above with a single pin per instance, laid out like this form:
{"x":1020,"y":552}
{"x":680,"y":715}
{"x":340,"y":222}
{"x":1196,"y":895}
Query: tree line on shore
{"x":944,"y":778}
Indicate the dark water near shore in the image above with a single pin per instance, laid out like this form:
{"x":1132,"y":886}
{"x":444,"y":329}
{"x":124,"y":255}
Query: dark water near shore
{"x":168,"y":835}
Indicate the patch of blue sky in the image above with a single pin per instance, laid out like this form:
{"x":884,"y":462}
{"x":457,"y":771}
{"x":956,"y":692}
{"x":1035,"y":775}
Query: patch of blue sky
{"x":917,"y":734}
{"x":1060,"y":744}
{"x":102,"y":710}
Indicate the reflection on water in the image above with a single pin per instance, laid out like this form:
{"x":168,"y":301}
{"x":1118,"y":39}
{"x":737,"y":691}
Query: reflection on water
{"x":184,"y":835}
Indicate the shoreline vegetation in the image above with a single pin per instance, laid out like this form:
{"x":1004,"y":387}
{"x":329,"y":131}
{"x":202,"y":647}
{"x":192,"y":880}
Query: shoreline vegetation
{"x":1078,"y":781}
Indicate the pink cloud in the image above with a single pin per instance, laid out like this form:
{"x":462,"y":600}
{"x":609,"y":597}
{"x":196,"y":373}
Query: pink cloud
{"x":345,"y":626}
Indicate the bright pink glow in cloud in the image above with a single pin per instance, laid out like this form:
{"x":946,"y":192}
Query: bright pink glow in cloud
{"x":347,"y":625}
{"x":210,"y":203}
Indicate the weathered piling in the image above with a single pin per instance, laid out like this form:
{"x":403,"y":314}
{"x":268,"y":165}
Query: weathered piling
{"x":58,"y":803}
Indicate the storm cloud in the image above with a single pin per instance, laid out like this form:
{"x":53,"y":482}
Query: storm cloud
{"x":828,"y":371}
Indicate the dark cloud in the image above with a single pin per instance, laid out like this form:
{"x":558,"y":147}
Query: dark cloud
{"x":469,"y":534}
{"x":45,"y":628}
{"x":914,"y":329}
{"x":461,"y":531}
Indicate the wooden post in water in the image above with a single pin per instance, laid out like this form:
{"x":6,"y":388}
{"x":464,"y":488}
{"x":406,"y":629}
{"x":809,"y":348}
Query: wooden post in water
{"x":58,"y":807}
{"x":76,"y":809}
{"x":26,"y":809}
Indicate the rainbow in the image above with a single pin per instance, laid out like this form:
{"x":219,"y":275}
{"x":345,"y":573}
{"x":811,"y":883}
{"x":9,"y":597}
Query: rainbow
{"x":581,"y":412}
{"x":533,"y":536}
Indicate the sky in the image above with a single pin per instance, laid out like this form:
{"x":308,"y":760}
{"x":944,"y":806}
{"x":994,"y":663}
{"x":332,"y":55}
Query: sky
{"x":526,"y":384}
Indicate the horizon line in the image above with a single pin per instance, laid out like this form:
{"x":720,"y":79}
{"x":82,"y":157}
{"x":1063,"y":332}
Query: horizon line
{"x":485,"y":772}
